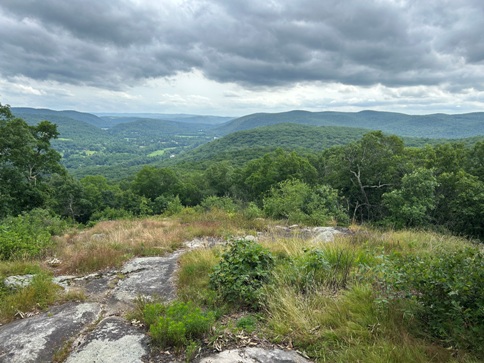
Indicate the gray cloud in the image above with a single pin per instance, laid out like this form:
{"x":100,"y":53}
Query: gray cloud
{"x":115,"y":44}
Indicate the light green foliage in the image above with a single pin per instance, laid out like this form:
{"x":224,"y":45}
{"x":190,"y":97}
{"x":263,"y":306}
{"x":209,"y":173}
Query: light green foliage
{"x":177,"y":324}
{"x":222,"y":203}
{"x":411,"y":204}
{"x":329,"y":267}
{"x":28,"y":235}
{"x":241,"y":273}
{"x":449,"y":288}
{"x":174,"y":206}
{"x":252,"y":211}
{"x":299,"y":203}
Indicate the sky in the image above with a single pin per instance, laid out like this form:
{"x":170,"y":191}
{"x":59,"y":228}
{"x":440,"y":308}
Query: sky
{"x":236,"y":57}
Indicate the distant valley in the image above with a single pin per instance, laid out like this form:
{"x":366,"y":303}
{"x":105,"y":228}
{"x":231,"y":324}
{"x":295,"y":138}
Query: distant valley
{"x":113,"y":144}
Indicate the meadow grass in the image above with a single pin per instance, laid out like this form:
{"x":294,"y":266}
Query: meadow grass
{"x":336,"y":322}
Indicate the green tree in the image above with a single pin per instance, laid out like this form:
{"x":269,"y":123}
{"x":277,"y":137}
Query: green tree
{"x":259,"y":175}
{"x":364,"y":170}
{"x":26,"y":160}
{"x":461,"y":203}
{"x":220,"y":178}
{"x":300,"y":203}
{"x":100,"y":193}
{"x":152,"y":182}
{"x":411,"y":205}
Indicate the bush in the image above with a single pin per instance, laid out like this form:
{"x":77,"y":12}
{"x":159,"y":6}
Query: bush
{"x":299,"y":203}
{"x":252,"y":211}
{"x":241,"y":273}
{"x":223,"y":203}
{"x":177,"y":324}
{"x":450,"y":291}
{"x":28,"y":235}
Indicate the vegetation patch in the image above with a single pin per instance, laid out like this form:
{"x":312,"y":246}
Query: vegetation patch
{"x":156,"y":153}
{"x":177,"y":324}
{"x":241,"y":273}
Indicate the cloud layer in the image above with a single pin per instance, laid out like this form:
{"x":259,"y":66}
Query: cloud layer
{"x":115,"y":45}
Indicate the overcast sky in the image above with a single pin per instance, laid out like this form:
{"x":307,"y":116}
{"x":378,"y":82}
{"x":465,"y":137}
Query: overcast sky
{"x":231,"y":57}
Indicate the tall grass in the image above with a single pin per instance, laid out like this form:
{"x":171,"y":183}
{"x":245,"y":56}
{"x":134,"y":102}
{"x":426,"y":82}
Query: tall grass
{"x":324,"y":299}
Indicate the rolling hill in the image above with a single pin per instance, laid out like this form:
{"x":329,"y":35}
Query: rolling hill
{"x":428,"y":126}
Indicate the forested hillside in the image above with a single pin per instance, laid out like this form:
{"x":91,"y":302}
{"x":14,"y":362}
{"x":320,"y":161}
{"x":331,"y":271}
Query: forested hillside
{"x":429,"y":126}
{"x":321,"y":174}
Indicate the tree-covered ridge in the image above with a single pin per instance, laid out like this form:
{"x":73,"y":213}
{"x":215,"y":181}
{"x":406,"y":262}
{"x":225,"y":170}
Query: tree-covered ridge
{"x":372,"y":177}
{"x":428,"y":126}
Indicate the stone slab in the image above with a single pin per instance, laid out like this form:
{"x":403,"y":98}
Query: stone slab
{"x":36,"y":339}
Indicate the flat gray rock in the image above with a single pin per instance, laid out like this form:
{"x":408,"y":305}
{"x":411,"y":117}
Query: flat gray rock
{"x":145,"y":277}
{"x":255,"y":355}
{"x":37,"y":338}
{"x":114,"y":340}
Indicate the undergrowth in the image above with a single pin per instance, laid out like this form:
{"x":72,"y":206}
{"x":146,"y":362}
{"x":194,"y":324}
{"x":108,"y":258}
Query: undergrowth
{"x":338,"y":302}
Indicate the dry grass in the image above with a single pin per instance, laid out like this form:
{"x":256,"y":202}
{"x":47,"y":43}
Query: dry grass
{"x":110,"y":243}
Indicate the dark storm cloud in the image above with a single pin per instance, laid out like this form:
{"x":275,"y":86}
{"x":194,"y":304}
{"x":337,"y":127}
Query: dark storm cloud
{"x":114,"y":44}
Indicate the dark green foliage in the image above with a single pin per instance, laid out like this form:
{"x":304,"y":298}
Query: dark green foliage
{"x":449,"y":288}
{"x":461,"y":203}
{"x":177,"y":324}
{"x":363,"y":171}
{"x":245,"y":267}
{"x":247,"y":323}
{"x":259,"y":175}
{"x":26,"y":160}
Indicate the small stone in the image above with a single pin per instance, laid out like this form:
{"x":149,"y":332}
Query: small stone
{"x":250,"y":238}
{"x":54,"y":262}
{"x":19,"y":281}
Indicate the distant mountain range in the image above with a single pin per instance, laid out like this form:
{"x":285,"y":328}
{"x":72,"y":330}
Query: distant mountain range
{"x":93,"y":144}
{"x":428,"y":126}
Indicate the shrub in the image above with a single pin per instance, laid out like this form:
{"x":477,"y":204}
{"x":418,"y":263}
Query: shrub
{"x":450,"y":291}
{"x":223,"y":203}
{"x":252,"y":211}
{"x":241,"y":273}
{"x":177,"y":324}
{"x":300,"y":203}
{"x":28,"y":235}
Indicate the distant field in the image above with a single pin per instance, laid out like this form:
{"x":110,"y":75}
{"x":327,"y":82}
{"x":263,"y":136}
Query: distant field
{"x":156,"y":153}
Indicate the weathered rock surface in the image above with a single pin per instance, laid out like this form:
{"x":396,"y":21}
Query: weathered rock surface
{"x":113,"y":340}
{"x":144,"y":277}
{"x":16,"y":282}
{"x":37,"y":338}
{"x":255,"y":355}
{"x":96,"y":330}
